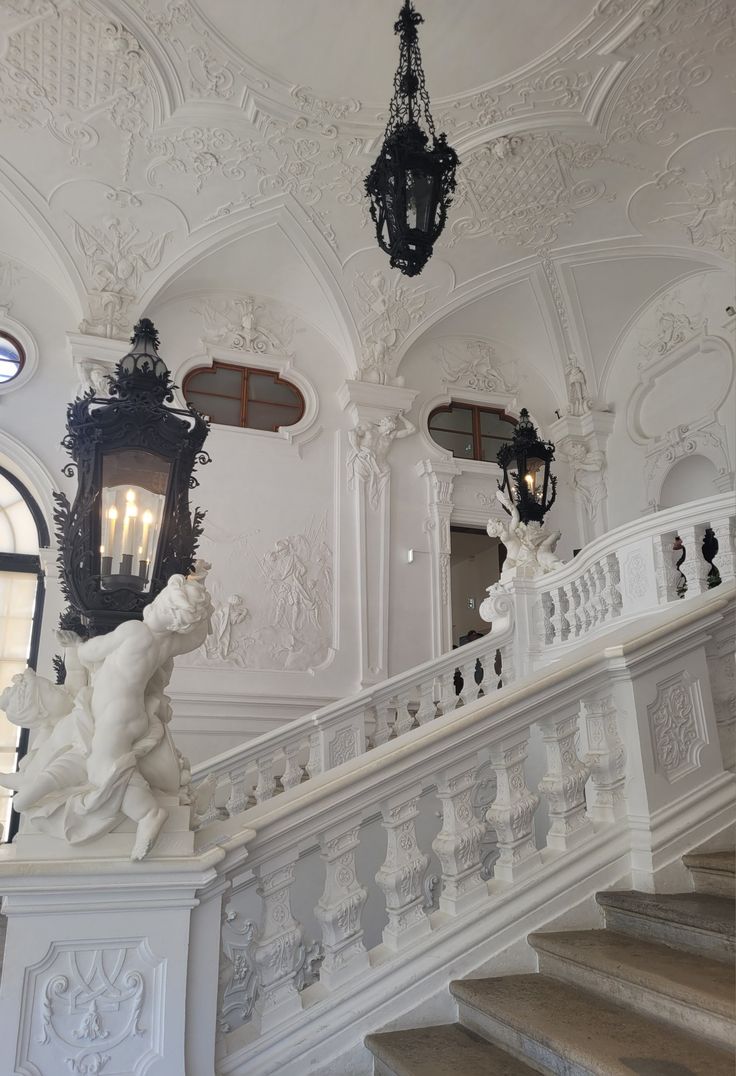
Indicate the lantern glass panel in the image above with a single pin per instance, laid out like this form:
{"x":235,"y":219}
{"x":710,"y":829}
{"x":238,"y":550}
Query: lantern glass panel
{"x":419,"y":199}
{"x":534,"y":476}
{"x":134,"y":485}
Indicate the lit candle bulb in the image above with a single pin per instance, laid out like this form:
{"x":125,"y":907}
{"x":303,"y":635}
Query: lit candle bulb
{"x":131,"y":512}
{"x":112,"y":517}
{"x":529,"y":479}
{"x":147,"y":520}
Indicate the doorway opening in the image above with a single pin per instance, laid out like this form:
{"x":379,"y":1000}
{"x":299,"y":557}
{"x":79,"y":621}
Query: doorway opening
{"x":475,"y":563}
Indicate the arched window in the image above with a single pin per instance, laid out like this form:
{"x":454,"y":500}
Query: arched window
{"x":22,"y":530}
{"x":12,"y":357}
{"x":471,"y":432}
{"x":244,"y":396}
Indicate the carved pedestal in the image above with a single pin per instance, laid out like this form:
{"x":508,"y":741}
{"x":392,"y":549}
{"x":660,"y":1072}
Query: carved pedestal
{"x":458,"y":844}
{"x":340,"y":908}
{"x":512,"y":811}
{"x":402,"y":874}
{"x":109,"y":963}
{"x":563,"y":784}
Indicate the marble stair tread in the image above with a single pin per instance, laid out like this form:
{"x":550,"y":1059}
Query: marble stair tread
{"x":703,"y":911}
{"x":446,"y":1050}
{"x":567,"y":1030}
{"x":686,"y":977}
{"x":722,"y":861}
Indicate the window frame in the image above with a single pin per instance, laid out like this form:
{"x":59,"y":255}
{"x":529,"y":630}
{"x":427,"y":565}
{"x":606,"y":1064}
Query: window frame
{"x":15,"y":342}
{"x":477,"y":436}
{"x":245,"y":371}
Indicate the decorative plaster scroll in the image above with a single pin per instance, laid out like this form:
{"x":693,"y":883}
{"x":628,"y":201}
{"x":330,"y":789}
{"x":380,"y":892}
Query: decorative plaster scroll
{"x":93,"y":1006}
{"x":693,"y":199}
{"x":239,"y":972}
{"x":674,"y":327}
{"x":472,"y":364}
{"x":388,"y":310}
{"x":677,"y":724}
{"x":706,"y":438}
{"x":200,"y":152}
{"x":246,"y":324}
{"x":11,"y":274}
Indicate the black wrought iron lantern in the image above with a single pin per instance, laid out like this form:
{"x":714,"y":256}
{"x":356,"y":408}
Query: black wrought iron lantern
{"x":525,"y":461}
{"x":411,"y":182}
{"x":130,"y":527}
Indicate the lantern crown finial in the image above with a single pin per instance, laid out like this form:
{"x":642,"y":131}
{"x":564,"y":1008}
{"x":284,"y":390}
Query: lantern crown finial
{"x":142,"y":370}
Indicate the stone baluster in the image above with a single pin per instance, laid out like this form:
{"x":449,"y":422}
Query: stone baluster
{"x":612,"y":576}
{"x":469,"y":690}
{"x":340,"y":907}
{"x":595,"y":605}
{"x":562,"y":602}
{"x":402,"y":874}
{"x":695,"y":566}
{"x":602,"y":592}
{"x":238,"y":799}
{"x":458,"y":843}
{"x":404,"y":716}
{"x":550,"y":615}
{"x":606,"y":757}
{"x":724,"y":528}
{"x":576,"y":623}
{"x":447,"y":692}
{"x":279,"y":950}
{"x":508,"y":674}
{"x":484,"y":675}
{"x":292,"y":774}
{"x":665,"y":559}
{"x":585,"y":610}
{"x":385,"y":715}
{"x":427,"y":706}
{"x":512,"y":811}
{"x":314,"y":762}
{"x":266,"y":786}
{"x":563,"y":785}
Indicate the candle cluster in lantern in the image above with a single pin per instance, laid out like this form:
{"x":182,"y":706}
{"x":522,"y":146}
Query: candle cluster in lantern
{"x":129,"y":532}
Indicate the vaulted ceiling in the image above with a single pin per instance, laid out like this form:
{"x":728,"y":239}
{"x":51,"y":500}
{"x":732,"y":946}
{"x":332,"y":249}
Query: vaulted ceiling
{"x":154,"y":148}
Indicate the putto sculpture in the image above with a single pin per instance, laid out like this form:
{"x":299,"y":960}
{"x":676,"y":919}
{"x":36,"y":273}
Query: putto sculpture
{"x":102,"y":751}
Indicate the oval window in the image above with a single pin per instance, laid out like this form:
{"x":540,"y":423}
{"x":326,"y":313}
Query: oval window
{"x":244,"y":396}
{"x":12,"y":358}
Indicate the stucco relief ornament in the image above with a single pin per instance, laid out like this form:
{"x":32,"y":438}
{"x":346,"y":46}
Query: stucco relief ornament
{"x":103,"y":752}
{"x":368,"y":459}
{"x":475,"y":369}
{"x":115,"y":260}
{"x":587,"y":475}
{"x":245,"y":324}
{"x":708,"y":213}
{"x":577,"y":390}
{"x":530,"y":552}
{"x":388,"y":309}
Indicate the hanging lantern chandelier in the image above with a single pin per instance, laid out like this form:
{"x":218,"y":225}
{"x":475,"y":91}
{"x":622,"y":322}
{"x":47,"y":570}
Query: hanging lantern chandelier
{"x":525,"y":461}
{"x":411,"y":182}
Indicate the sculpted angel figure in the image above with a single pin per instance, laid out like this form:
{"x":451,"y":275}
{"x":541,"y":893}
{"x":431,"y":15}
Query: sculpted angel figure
{"x":370,"y":445}
{"x":528,"y":545}
{"x":103,"y":754}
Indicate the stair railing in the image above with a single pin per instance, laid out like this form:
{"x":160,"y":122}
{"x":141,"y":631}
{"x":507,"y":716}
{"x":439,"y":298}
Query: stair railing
{"x":357,"y":890}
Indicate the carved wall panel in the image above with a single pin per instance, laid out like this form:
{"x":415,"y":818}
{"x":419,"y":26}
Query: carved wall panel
{"x":677,"y":724}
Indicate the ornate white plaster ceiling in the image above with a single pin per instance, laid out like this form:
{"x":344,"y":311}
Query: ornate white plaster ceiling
{"x":153,"y":146}
{"x":347,"y":48}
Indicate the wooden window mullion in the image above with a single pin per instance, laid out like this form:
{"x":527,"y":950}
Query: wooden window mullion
{"x":244,"y":399}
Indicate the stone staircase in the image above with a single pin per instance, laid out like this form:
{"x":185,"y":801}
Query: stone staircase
{"x":650,"y":995}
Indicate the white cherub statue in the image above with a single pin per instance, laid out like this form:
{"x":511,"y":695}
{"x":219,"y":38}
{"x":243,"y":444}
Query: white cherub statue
{"x":105,"y":754}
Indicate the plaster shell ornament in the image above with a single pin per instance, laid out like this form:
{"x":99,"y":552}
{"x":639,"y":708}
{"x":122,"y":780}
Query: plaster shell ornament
{"x":105,"y":753}
{"x":411,"y":182}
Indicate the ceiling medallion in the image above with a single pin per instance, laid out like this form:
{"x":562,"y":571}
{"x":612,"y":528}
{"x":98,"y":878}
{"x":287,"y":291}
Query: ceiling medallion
{"x":411,"y":182}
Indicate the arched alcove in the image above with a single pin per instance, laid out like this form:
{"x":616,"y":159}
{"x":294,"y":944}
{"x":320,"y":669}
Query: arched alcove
{"x":22,"y":532}
{"x":689,"y":479}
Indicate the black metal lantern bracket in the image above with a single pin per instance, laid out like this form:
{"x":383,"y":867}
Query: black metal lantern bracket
{"x":411,"y":182}
{"x":135,"y":423}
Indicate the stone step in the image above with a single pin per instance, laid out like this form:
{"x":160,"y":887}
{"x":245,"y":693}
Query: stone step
{"x":560,"y":1029}
{"x":695,"y":922}
{"x":447,"y":1050}
{"x":687,"y":990}
{"x":713,"y":872}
